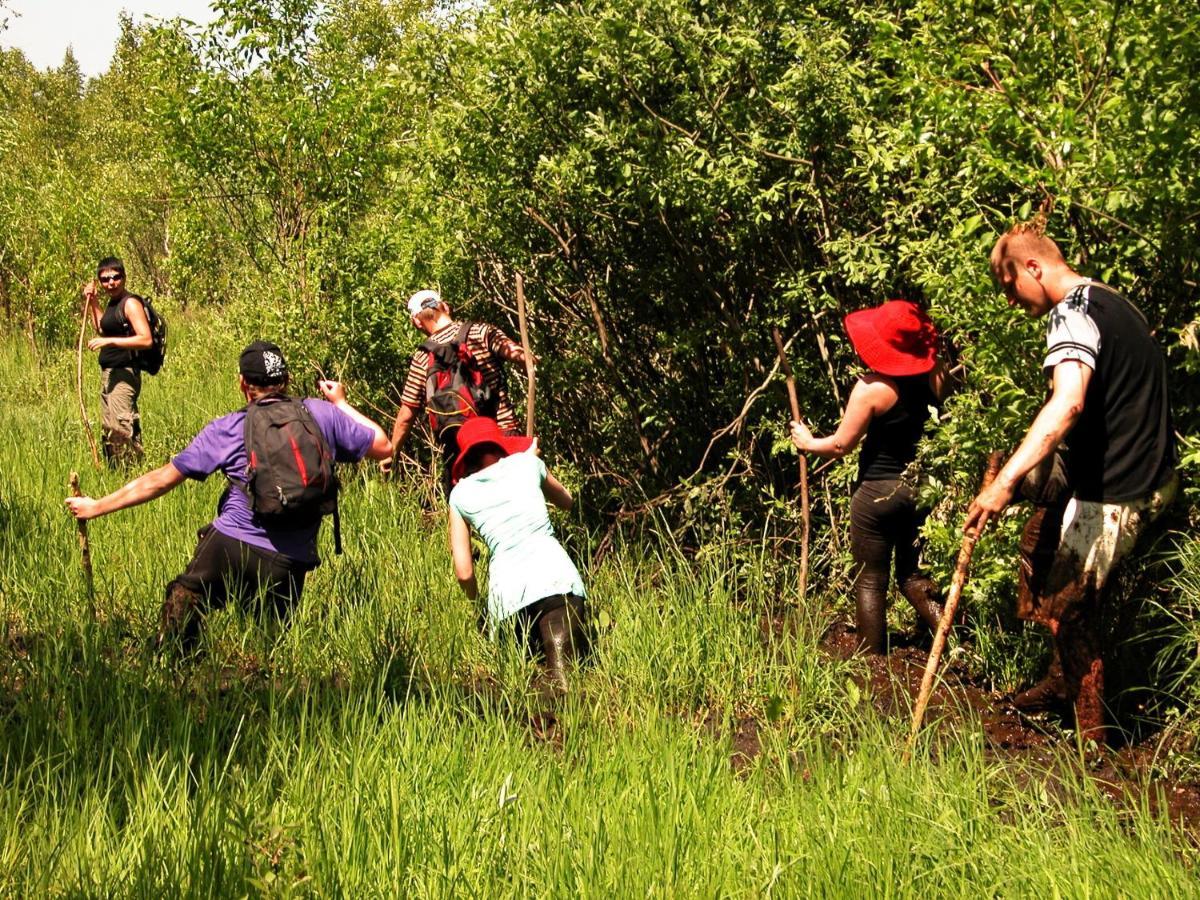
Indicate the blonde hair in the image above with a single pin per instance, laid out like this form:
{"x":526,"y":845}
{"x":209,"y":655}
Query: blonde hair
{"x":1022,"y":241}
{"x":432,"y":314}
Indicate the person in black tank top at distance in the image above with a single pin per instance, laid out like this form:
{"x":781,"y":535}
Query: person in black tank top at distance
{"x":123,"y":329}
{"x":889,"y":407}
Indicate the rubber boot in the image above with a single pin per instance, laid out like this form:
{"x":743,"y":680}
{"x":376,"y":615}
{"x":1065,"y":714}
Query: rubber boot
{"x":1089,"y":705}
{"x":870,"y":612}
{"x":559,"y":643}
{"x":1049,"y":694}
{"x":1083,"y":670}
{"x":923,"y":595}
{"x":180,"y":619}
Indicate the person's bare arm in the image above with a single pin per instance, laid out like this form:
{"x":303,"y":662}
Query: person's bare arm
{"x":869,"y":398}
{"x":405,"y":417}
{"x":335,"y":393}
{"x":91,"y":307}
{"x":942,"y":381}
{"x":554,"y":491}
{"x":141,"y":339}
{"x":143,"y":488}
{"x":505,"y":347}
{"x":460,"y":550}
{"x":1051,"y":425}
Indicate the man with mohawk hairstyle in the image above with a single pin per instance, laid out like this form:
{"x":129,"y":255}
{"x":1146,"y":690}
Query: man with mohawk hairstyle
{"x":1098,"y":462}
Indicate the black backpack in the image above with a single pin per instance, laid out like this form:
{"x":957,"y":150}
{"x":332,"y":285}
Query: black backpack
{"x":454,"y":386}
{"x":290,"y":480}
{"x":149,"y":361}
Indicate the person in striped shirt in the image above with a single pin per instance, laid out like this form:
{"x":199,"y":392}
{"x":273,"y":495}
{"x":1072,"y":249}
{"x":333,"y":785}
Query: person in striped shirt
{"x":489,"y":346}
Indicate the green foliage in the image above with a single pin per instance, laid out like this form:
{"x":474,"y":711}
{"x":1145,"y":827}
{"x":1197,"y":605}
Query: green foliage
{"x":381,"y":745}
{"x":673,"y":178}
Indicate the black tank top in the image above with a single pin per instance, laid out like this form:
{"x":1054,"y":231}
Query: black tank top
{"x":114,"y":324}
{"x":891,"y":442}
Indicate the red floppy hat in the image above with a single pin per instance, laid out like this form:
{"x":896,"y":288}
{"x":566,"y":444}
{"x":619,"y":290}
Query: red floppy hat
{"x":895,"y":338}
{"x":482,"y":430}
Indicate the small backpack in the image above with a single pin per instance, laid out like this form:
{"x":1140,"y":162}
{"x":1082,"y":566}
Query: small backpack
{"x":454,"y":386}
{"x":151,"y":360}
{"x":290,"y":480}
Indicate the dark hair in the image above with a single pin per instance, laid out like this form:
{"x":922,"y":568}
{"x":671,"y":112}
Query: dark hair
{"x":473,"y":461}
{"x":110,"y":262}
{"x":260,"y":387}
{"x":262,"y":381}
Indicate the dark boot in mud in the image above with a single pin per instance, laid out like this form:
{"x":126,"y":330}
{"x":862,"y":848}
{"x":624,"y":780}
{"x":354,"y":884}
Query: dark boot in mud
{"x":1089,"y":705}
{"x":559,"y":643}
{"x":870,"y":612}
{"x":180,"y":620}
{"x":1079,"y":648}
{"x":923,"y":596}
{"x":1048,"y":695}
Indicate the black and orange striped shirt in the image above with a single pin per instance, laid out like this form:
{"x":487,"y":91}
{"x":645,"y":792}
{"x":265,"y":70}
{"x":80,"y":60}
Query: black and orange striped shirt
{"x":487,"y":344}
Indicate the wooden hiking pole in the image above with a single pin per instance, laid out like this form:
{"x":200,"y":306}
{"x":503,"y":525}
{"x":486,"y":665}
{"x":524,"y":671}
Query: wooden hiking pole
{"x":529,"y":373}
{"x":83,"y":416}
{"x":85,"y":548}
{"x":956,"y":588}
{"x":791,"y":389}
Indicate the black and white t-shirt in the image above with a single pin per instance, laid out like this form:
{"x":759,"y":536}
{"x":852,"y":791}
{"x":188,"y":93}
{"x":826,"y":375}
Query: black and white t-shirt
{"x":1122,"y":447}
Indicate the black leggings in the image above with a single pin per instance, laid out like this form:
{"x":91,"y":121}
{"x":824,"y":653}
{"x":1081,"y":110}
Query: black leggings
{"x":553,"y":630}
{"x":224,"y":568}
{"x":884,"y":520}
{"x":527,"y":619}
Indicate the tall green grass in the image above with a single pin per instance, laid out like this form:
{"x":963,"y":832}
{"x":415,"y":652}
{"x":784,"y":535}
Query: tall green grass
{"x":382,"y":746}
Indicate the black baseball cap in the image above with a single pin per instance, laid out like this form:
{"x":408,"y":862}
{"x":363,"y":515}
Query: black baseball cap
{"x":263,"y":363}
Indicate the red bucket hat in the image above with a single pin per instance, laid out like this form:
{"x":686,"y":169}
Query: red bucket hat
{"x":482,"y":430}
{"x":895,"y":338}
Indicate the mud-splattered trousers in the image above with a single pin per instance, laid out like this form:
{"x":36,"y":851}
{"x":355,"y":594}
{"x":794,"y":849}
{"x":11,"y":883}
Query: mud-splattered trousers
{"x":885,"y":521}
{"x":1069,"y":549}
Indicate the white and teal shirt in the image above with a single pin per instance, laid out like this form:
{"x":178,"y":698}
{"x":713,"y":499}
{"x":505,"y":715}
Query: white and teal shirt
{"x":505,"y":504}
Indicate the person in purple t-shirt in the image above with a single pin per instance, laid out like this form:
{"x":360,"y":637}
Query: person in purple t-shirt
{"x":236,"y":554}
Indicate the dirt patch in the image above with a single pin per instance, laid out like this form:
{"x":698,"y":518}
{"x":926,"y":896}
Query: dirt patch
{"x":1127,"y":775}
{"x":746,"y":743}
{"x":545,"y":730}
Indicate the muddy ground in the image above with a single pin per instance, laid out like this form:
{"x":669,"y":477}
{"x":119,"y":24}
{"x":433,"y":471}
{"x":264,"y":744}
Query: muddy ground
{"x":1037,"y":745}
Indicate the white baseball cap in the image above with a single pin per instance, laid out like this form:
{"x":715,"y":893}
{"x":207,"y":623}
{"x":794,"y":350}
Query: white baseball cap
{"x":423,"y":300}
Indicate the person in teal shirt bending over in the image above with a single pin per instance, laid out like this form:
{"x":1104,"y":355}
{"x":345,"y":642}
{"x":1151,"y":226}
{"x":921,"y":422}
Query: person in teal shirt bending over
{"x":500,"y":487}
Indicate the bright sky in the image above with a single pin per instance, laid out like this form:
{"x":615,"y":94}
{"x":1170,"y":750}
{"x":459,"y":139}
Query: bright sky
{"x":43,"y":29}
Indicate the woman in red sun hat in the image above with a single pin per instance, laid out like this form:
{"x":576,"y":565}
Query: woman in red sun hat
{"x":890,"y":406}
{"x":501,"y":487}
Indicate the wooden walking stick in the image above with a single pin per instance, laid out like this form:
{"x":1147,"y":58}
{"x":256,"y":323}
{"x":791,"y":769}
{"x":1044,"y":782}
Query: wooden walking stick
{"x":956,"y":588}
{"x":531,"y":393}
{"x":85,"y":548}
{"x":83,"y":416}
{"x":791,"y":389}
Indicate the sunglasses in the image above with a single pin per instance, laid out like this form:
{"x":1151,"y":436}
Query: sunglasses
{"x":104,"y":279}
